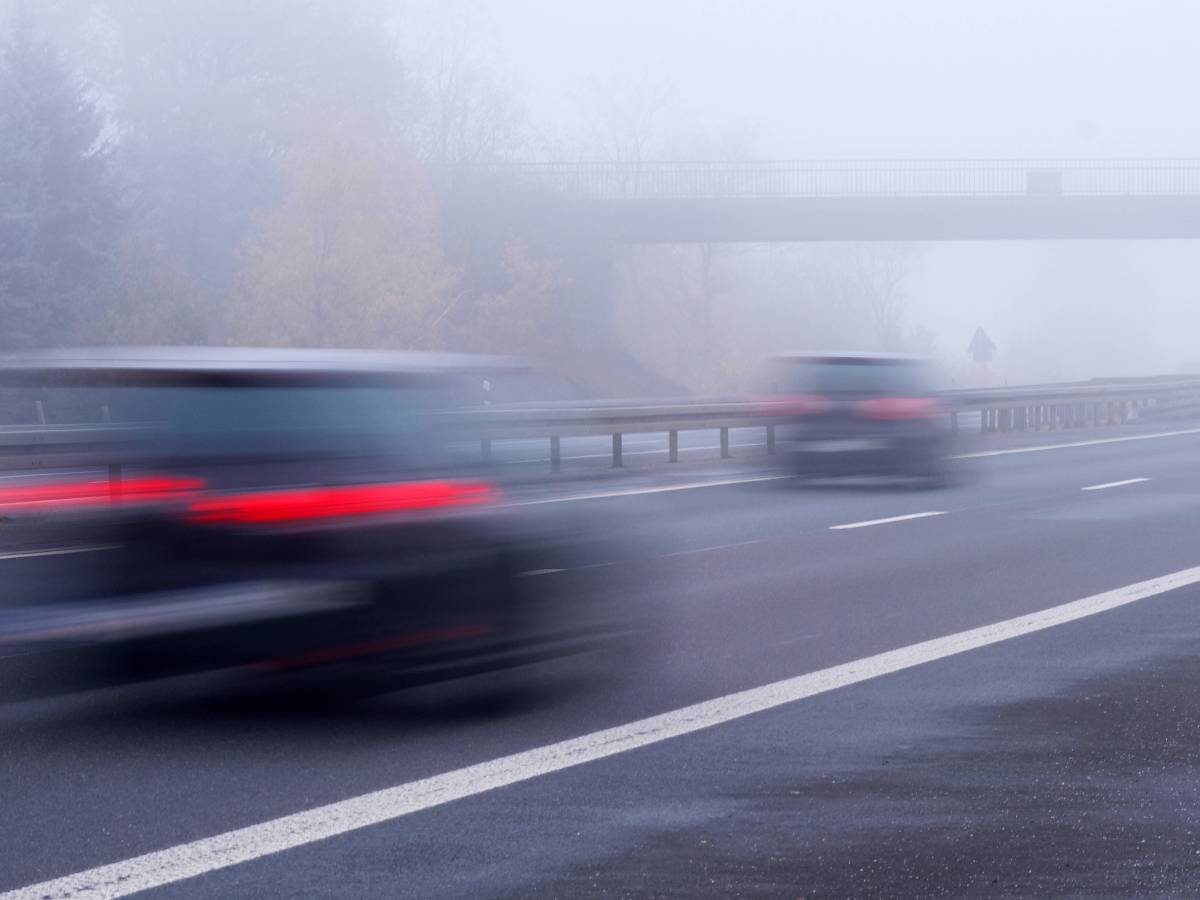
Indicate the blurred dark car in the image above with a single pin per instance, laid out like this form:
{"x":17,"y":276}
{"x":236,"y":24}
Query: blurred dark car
{"x":275,"y":512}
{"x":860,"y":414}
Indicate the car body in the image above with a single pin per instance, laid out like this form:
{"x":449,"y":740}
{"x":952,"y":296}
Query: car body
{"x":859,"y":414}
{"x":271,"y":512}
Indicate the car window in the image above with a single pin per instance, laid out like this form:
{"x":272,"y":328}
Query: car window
{"x":856,"y":377}
{"x":264,"y":419}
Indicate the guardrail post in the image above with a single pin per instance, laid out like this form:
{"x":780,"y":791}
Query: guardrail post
{"x":555,"y":453}
{"x":771,"y":439}
{"x":617,"y":462}
{"x":41,"y":411}
{"x":724,"y":443}
{"x":485,"y":450}
{"x":672,"y":446}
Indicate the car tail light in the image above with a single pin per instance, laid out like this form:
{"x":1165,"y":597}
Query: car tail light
{"x":895,"y":408}
{"x":794,"y":405}
{"x":306,"y":504}
{"x":70,"y":495}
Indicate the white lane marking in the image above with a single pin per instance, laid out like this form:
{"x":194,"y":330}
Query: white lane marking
{"x":534,"y":572}
{"x":1113,"y":484}
{"x":800,"y":638}
{"x":888,"y":521}
{"x":58,"y":551}
{"x":1066,"y":446}
{"x":189,"y":860}
{"x":659,"y":489}
{"x":710,"y":549}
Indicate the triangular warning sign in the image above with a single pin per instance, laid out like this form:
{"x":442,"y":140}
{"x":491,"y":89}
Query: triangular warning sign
{"x":981,"y":347}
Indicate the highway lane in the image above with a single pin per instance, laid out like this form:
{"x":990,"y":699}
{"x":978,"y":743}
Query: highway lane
{"x":1059,"y":764}
{"x":756,"y":585}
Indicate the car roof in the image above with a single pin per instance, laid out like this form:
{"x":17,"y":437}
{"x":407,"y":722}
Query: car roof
{"x":844,"y":358}
{"x":240,"y":365}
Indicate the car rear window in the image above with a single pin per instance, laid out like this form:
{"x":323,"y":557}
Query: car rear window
{"x":857,"y":376}
{"x":256,"y":419}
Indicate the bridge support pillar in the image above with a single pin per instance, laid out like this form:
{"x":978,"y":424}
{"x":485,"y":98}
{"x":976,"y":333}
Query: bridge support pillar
{"x":555,"y":454}
{"x":616,"y":445}
{"x":724,"y":443}
{"x":672,"y":446}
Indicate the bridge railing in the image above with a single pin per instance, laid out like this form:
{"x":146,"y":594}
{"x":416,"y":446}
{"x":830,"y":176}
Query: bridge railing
{"x":861,"y":178}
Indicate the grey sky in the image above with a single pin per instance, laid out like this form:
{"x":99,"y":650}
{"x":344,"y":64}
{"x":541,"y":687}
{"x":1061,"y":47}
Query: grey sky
{"x":877,"y":78}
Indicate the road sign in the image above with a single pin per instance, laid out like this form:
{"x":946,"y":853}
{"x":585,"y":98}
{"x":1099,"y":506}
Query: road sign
{"x":981,"y":347}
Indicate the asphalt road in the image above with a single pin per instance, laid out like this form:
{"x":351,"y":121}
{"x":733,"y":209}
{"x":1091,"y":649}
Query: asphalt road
{"x":1058,"y":761}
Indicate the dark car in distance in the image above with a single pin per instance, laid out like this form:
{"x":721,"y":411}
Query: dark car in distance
{"x":271,"y":512}
{"x":860,"y":414}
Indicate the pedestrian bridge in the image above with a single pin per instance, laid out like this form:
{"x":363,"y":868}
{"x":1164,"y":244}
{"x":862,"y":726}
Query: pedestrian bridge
{"x":867,"y":200}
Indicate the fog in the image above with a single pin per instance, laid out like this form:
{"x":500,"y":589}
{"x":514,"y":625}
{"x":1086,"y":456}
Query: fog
{"x":283,"y":173}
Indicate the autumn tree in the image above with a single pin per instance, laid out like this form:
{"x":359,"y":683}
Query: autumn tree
{"x":209,"y":98}
{"x":149,"y":296}
{"x":523,"y":316}
{"x":351,"y":256}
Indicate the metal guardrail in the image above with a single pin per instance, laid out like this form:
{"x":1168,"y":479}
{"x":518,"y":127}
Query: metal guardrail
{"x":1031,"y":408}
{"x":856,"y":178}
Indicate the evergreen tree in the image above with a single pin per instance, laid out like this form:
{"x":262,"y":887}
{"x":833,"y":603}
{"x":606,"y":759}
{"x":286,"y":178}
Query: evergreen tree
{"x":59,"y":216}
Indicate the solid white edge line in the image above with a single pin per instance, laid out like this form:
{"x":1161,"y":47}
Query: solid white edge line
{"x":1113,"y":484}
{"x":888,"y":520}
{"x":206,"y":855}
{"x":1066,"y":446}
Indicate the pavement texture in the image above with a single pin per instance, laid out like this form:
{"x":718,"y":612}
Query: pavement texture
{"x":1058,"y":763}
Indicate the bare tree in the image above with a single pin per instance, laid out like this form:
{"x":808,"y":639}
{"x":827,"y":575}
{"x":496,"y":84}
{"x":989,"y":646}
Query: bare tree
{"x":467,"y":110}
{"x":627,"y":121}
{"x":875,"y":277}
